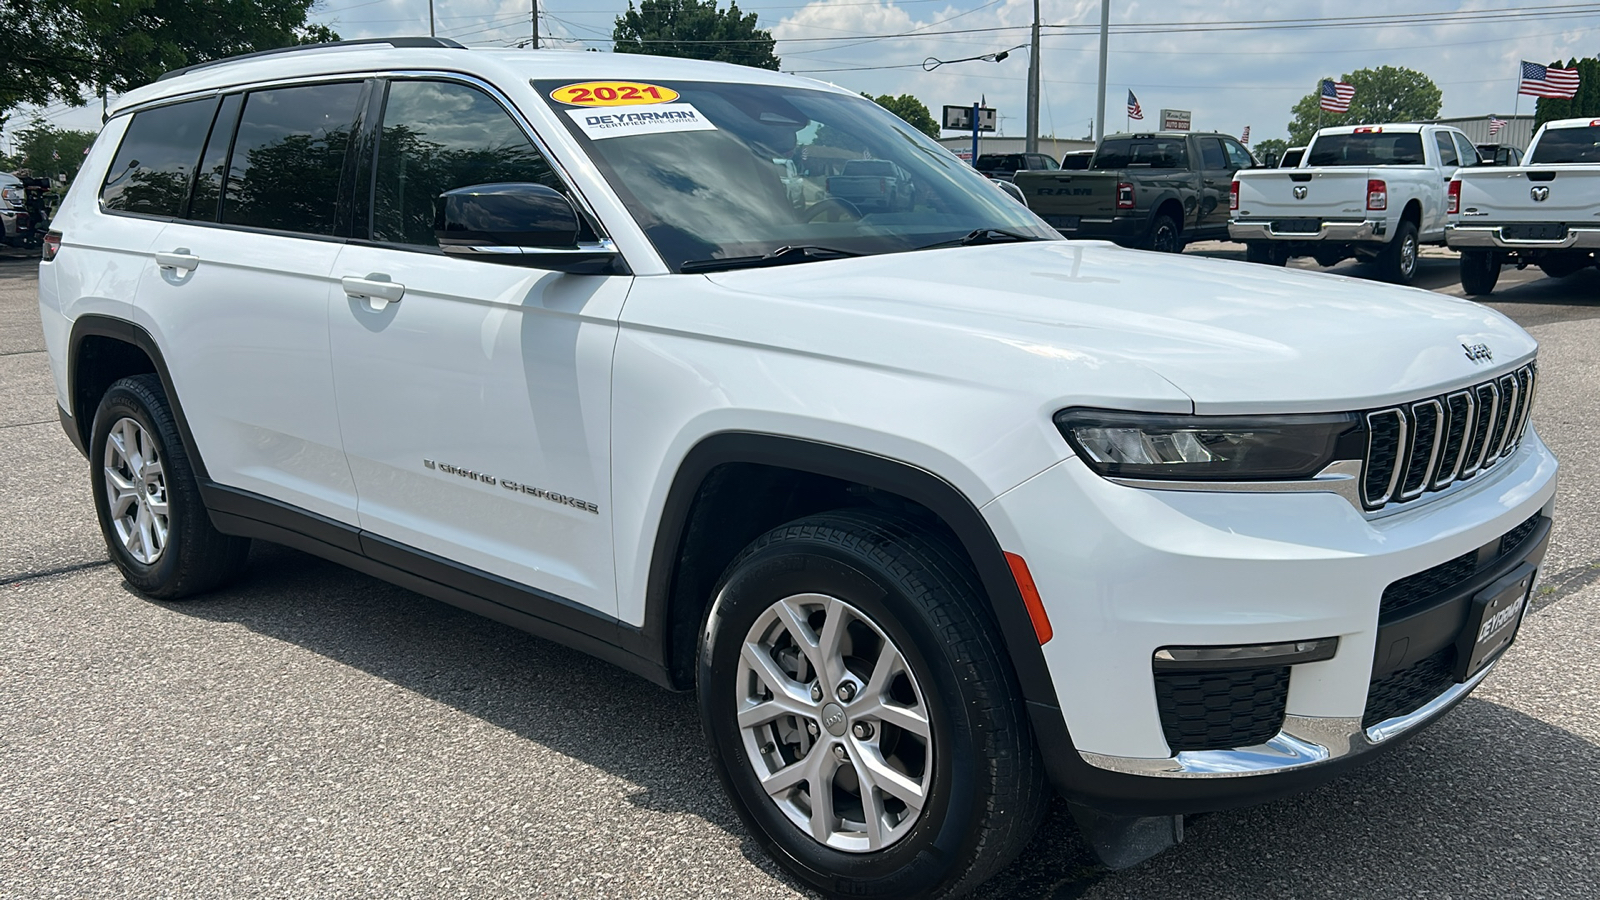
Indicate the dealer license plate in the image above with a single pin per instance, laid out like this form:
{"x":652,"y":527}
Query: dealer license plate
{"x":1297,"y":226}
{"x":1063,"y":223}
{"x":1533,"y":232}
{"x":1492,"y":621}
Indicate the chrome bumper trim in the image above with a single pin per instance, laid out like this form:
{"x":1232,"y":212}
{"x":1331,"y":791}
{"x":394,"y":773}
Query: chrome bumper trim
{"x":1303,"y":741}
{"x":1489,"y":237}
{"x":1330,"y":231}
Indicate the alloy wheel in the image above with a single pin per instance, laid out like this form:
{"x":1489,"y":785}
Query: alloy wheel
{"x":834,"y":723}
{"x":136,"y":491}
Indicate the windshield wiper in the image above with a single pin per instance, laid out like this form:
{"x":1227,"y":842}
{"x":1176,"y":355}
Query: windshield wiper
{"x":782,"y":256}
{"x":983,"y":236}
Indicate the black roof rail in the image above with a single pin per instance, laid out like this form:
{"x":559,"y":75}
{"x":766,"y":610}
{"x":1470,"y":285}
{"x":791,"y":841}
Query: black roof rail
{"x":435,"y":42}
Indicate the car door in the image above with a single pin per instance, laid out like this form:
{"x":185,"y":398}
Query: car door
{"x":473,"y":396}
{"x":1434,"y":216}
{"x":1215,"y":182}
{"x":242,"y":285}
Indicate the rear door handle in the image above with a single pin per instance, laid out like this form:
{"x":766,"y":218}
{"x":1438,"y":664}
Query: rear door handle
{"x":179,"y":260}
{"x":373,"y":287}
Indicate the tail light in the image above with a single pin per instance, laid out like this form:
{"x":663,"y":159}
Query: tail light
{"x":1124,"y":195}
{"x":1233,"y":195}
{"x":52,"y":245}
{"x":1455,"y":197}
{"x":1377,"y":194}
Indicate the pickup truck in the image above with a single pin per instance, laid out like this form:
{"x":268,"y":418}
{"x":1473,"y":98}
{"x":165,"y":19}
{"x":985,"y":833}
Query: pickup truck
{"x":875,"y":184}
{"x":1374,"y":192}
{"x":1541,"y":213}
{"x":1005,"y":166}
{"x":1155,"y":191}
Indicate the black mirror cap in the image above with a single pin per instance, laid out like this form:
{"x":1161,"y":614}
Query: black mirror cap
{"x":506,"y":215}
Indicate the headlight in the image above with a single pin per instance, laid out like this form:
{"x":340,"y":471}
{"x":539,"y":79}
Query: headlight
{"x":1210,"y":448}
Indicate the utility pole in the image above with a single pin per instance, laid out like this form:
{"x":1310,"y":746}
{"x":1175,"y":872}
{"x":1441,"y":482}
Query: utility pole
{"x":1032,"y":145}
{"x":535,"y":44}
{"x":1105,"y":40}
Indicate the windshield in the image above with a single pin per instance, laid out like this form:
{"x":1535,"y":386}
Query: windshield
{"x":1567,"y":145}
{"x":699,"y":171}
{"x":1150,"y":153}
{"x":1367,"y":149}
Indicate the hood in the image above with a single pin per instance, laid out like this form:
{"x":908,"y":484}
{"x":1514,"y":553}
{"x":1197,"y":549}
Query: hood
{"x":1233,"y":336}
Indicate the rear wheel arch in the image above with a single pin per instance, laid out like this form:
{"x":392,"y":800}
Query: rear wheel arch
{"x":1412,"y":213}
{"x":733,"y":487}
{"x":104,"y":349}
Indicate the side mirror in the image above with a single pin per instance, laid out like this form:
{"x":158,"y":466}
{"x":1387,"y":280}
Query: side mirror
{"x":521,"y":225}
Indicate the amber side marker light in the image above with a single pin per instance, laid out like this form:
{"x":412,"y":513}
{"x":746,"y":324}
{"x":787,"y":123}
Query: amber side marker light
{"x":1030,"y":598}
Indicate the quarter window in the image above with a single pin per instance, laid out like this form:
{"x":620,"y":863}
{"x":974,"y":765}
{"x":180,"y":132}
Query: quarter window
{"x":288,"y":157}
{"x":438,"y":136}
{"x":154,"y":165}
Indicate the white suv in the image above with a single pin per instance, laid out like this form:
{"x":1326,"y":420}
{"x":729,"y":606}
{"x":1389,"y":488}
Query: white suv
{"x":933,"y":508}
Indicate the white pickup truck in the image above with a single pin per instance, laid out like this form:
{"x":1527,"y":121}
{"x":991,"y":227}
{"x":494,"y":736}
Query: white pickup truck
{"x":1545,"y":212}
{"x":1374,"y":192}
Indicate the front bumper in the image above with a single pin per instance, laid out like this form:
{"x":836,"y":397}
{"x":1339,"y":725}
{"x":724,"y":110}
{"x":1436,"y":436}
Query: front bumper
{"x":1125,"y":571}
{"x":1330,"y":232}
{"x":1490,"y":237}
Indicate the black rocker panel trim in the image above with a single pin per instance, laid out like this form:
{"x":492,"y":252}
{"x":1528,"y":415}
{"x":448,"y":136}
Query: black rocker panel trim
{"x":536,"y":612}
{"x":915,"y":484}
{"x":128,"y":333}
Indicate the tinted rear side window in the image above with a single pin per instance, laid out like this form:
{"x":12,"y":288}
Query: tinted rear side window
{"x":214,"y":164}
{"x":1567,"y":145}
{"x":288,"y":157}
{"x":1149,"y":153}
{"x":1367,"y":149}
{"x":156,"y":161}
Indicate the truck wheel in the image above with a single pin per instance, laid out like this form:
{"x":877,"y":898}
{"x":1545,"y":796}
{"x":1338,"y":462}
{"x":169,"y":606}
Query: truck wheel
{"x":1166,"y":235}
{"x":1398,"y":261}
{"x":859,"y":713}
{"x":1480,"y":269}
{"x":1265,"y":252}
{"x":146,"y":498}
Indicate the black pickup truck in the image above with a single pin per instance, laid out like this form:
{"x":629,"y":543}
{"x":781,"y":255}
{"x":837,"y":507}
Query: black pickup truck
{"x":1158,"y":191}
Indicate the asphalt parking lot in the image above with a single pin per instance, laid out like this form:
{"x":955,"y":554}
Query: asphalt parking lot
{"x":311,"y":732}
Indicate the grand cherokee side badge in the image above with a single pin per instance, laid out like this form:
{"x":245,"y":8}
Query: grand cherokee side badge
{"x":1478,"y":352}
{"x":512,"y":486}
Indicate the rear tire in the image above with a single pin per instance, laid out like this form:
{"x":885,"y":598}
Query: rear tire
{"x":1480,"y":269}
{"x":823,"y":601}
{"x":148,"y":502}
{"x":1166,"y":235}
{"x":1398,"y":260}
{"x":1266,"y":253}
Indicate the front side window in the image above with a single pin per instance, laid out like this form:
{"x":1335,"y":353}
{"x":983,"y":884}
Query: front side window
{"x":1367,"y":148}
{"x":288,"y":157}
{"x":1238,"y":156}
{"x":697,"y":164}
{"x":156,"y":162}
{"x":438,"y":136}
{"x":1211,"y":155}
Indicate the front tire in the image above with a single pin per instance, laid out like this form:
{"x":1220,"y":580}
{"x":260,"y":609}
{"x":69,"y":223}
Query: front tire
{"x":1480,"y":269}
{"x":1398,"y":260}
{"x":853,"y":649}
{"x":148,"y":502}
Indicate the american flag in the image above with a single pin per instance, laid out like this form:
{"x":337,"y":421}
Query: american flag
{"x":1495,"y":125}
{"x":1336,"y":95}
{"x":1543,"y":81}
{"x":1245,"y":138}
{"x":1134,"y":112}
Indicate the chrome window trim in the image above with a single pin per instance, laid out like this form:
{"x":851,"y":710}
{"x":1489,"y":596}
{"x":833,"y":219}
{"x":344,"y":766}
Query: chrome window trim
{"x":1303,"y":741}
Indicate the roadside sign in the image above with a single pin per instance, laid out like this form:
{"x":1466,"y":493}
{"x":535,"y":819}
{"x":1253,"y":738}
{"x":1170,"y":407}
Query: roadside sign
{"x":1175,"y":120}
{"x":959,"y":118}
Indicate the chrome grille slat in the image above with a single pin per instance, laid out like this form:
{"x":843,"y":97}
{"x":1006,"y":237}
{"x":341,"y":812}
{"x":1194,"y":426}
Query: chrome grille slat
{"x":1432,"y":443}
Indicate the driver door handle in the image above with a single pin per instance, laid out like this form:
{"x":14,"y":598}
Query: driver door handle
{"x":180,"y":260}
{"x":373,"y":287}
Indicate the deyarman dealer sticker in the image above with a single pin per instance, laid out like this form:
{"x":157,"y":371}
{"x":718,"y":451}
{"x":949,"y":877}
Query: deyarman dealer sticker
{"x":654,"y":119}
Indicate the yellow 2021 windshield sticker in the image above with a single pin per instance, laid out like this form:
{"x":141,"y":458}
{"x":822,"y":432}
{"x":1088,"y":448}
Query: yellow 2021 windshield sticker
{"x":613,"y":93}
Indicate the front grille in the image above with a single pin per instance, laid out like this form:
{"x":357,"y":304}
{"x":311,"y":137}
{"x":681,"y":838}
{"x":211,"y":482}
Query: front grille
{"x":1407,"y":690}
{"x":1430,"y":444}
{"x":1221,"y":710}
{"x":1445,"y":577}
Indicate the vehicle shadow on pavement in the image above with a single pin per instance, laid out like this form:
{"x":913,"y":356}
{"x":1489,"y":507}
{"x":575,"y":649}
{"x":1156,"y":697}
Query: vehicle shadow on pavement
{"x":1489,"y":802}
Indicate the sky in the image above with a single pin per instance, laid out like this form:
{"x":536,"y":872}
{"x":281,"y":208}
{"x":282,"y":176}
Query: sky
{"x":1229,"y":78}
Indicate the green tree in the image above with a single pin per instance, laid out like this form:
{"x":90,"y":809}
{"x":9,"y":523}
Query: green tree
{"x":1269,"y":151}
{"x":1384,"y":94}
{"x":911,"y":110}
{"x":1585,"y":104}
{"x":70,"y":49}
{"x":694,"y":29}
{"x":45,"y":150}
